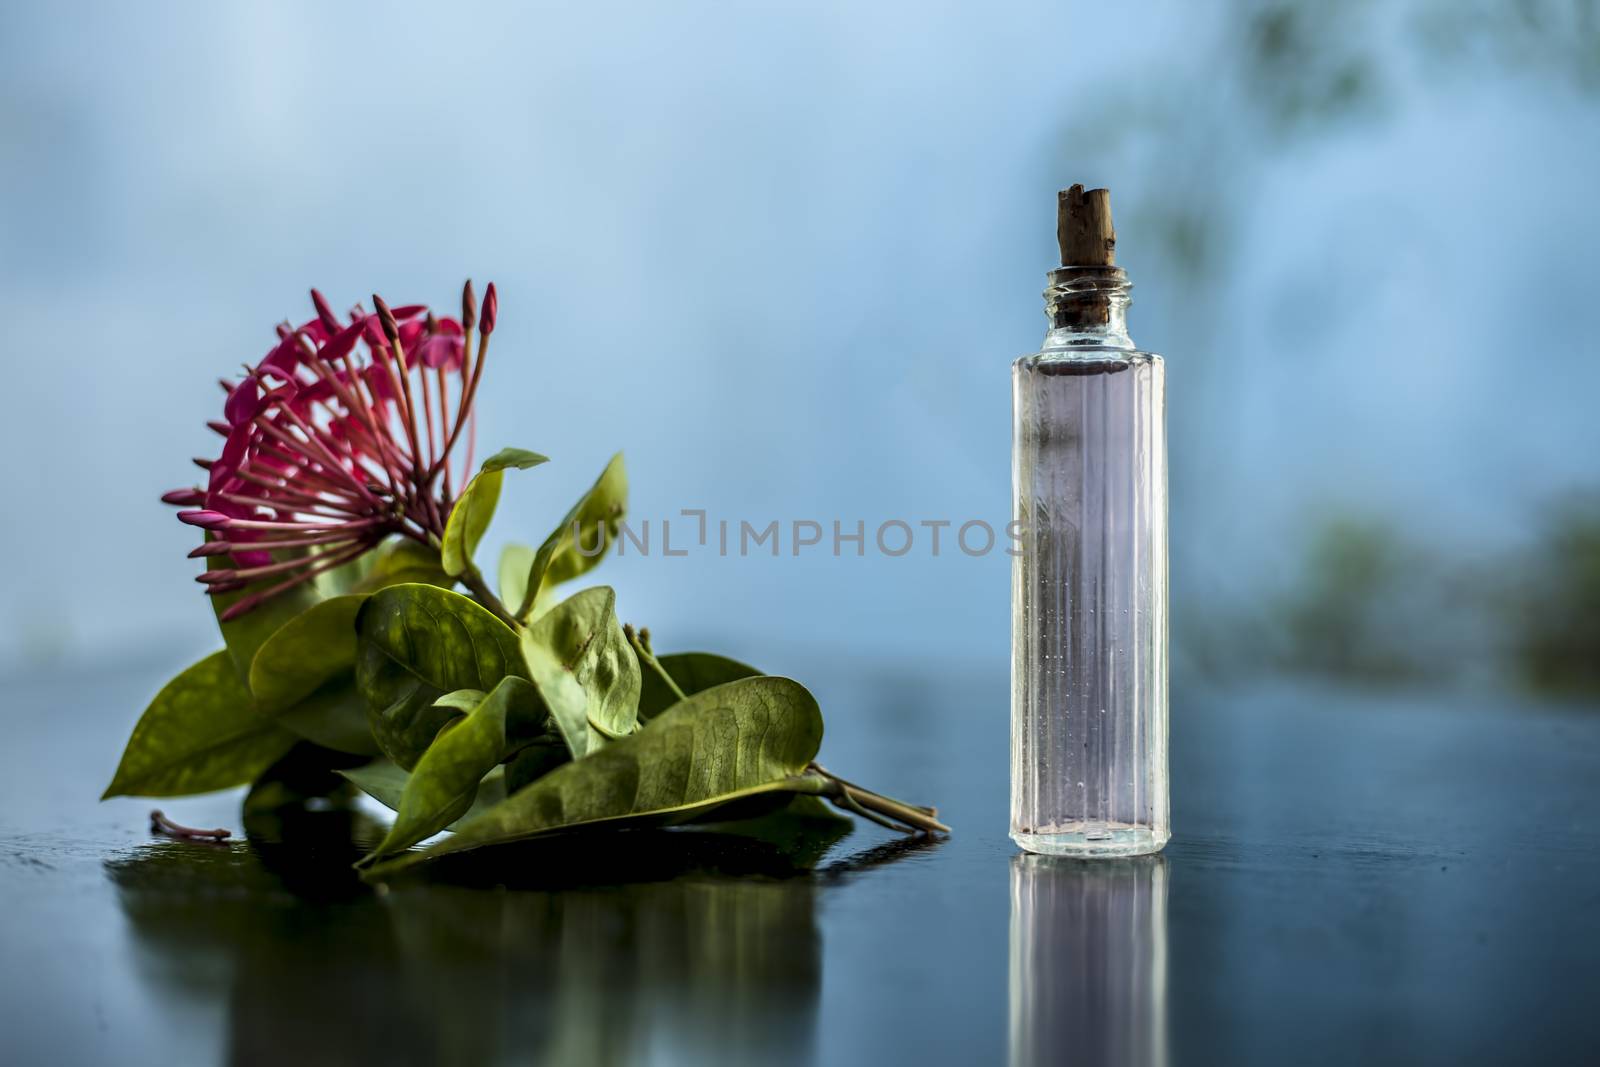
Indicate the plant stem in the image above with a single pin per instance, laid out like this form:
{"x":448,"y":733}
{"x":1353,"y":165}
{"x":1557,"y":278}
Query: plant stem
{"x":863,"y":789}
{"x":472,"y":578}
{"x":640,"y":640}
{"x":886,"y":811}
{"x":850,"y":804}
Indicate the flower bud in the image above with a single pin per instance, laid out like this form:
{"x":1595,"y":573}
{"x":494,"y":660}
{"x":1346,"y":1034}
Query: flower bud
{"x":184,"y":498}
{"x":210,"y":548}
{"x":330,"y":321}
{"x":491,"y":307}
{"x":469,"y":307}
{"x":391,"y":328}
{"x":206,"y":520}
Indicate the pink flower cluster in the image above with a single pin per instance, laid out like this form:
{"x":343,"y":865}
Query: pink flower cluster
{"x":339,"y":438}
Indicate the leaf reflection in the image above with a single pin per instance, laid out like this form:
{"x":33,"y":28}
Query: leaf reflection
{"x":687,"y":945}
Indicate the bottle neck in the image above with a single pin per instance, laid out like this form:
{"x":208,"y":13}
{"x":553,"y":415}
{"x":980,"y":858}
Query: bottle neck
{"x":1087,"y":307}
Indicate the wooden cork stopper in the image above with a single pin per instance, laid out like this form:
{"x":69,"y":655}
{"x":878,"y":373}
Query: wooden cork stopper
{"x":1083,"y":228}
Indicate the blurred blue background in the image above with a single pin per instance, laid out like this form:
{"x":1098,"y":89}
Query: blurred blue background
{"x":782,"y":255}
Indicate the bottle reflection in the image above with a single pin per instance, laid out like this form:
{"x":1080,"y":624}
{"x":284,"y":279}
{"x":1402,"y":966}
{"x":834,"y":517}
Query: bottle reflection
{"x":1088,"y":960}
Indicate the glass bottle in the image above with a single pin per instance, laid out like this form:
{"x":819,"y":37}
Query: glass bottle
{"x":1089,"y":581}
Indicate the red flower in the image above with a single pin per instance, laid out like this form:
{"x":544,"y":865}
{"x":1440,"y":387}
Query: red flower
{"x":340,"y":437}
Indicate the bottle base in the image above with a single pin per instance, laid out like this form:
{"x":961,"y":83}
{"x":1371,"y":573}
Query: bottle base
{"x":1089,"y":840}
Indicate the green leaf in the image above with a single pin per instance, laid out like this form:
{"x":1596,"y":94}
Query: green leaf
{"x":596,"y":517}
{"x":304,"y":676}
{"x":416,"y":643}
{"x":534,"y":762}
{"x":444,"y":783}
{"x":400,"y":561}
{"x":346,"y":577}
{"x":738,"y":740}
{"x":693,"y":672}
{"x":308,"y":651}
{"x":584,"y":689}
{"x":331,"y":712}
{"x":520,"y":458}
{"x":335,"y":717}
{"x":382,"y":780}
{"x":386,"y":783}
{"x":475,"y":507}
{"x":396,"y":561}
{"x":463,"y":700}
{"x":468,"y":520}
{"x":199,"y":734}
{"x":244,"y":635}
{"x":515,"y":562}
{"x":587,"y":674}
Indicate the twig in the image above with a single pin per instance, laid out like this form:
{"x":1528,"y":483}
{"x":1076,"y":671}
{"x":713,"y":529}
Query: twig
{"x":850,"y":804}
{"x":863,"y":789}
{"x":160,"y":824}
{"x":907,"y":818}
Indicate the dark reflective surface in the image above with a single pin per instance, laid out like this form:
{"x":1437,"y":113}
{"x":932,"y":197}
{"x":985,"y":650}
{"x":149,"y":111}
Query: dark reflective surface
{"x":694,"y":967}
{"x":1352,"y":879}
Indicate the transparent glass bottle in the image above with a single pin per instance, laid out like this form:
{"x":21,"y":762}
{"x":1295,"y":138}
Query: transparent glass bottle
{"x":1089,"y":583}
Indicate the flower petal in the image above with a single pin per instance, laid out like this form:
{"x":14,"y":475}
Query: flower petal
{"x":441,"y":350}
{"x":285,"y":358}
{"x":342,"y":342}
{"x":233,"y":454}
{"x":330,"y":321}
{"x":243,"y":402}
